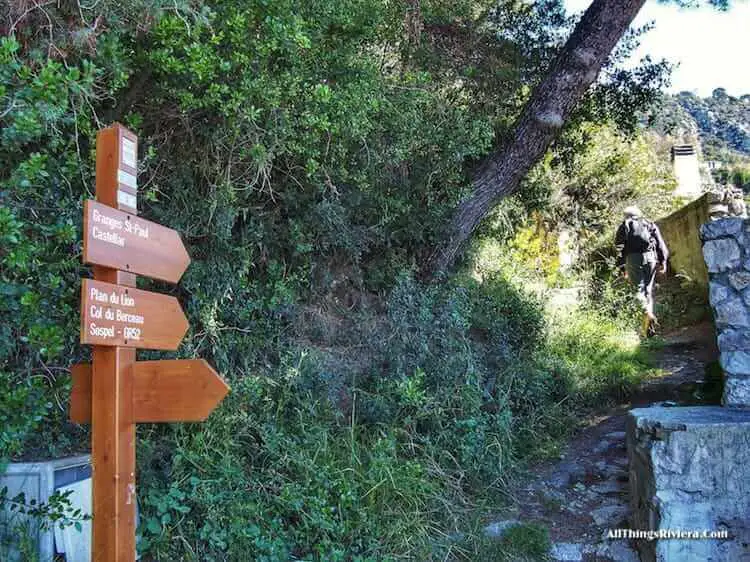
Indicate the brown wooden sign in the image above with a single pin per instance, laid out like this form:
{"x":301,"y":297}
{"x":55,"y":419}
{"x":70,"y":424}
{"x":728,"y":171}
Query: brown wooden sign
{"x":116,"y":391}
{"x":180,"y":390}
{"x":114,"y":315}
{"x":123,"y":241}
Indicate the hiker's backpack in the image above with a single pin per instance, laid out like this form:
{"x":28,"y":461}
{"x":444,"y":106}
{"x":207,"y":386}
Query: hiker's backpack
{"x":639,"y":235}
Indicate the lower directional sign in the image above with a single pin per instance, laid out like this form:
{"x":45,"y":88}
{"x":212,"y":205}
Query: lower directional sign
{"x":180,"y":390}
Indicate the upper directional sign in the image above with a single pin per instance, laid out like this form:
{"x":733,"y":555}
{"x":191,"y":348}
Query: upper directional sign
{"x":123,"y":241}
{"x":118,"y":315}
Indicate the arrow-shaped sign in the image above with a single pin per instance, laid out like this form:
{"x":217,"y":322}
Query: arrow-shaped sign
{"x":122,"y":316}
{"x":123,"y":241}
{"x":179,"y":390}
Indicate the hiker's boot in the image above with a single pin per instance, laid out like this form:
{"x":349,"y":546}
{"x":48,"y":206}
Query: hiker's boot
{"x":646,"y":326}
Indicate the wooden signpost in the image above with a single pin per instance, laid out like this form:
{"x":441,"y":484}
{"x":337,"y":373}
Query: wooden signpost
{"x":116,"y":392}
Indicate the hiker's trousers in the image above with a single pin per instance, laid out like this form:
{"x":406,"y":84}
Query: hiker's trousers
{"x":642,"y":273}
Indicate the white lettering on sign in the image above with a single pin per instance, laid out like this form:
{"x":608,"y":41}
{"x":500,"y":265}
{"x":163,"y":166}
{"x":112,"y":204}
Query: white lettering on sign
{"x":97,"y":295}
{"x":130,"y":318}
{"x":126,"y":178}
{"x":112,"y":311}
{"x":108,"y":237}
{"x":128,"y":152}
{"x":133,"y":227}
{"x":125,"y":198}
{"x":131,"y":333}
{"x":101,"y":331}
{"x":105,"y":220}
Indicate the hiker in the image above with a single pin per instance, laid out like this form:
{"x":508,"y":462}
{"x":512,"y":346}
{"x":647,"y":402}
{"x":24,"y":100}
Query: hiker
{"x":641,"y":250}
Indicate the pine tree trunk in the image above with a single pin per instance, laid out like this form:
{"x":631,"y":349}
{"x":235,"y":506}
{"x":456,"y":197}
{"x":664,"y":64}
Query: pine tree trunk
{"x":551,"y":103}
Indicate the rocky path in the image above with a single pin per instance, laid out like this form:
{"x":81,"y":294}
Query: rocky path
{"x":585,"y":493}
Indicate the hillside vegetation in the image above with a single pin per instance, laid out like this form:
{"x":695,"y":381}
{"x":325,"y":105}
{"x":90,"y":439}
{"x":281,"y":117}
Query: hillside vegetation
{"x":309,"y":154}
{"x":720,"y":123}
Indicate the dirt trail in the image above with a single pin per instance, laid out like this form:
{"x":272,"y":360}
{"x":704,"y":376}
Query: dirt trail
{"x":585,"y":493}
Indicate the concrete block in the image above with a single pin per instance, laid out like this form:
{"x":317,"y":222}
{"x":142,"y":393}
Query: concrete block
{"x":38,"y":481}
{"x":74,"y":544}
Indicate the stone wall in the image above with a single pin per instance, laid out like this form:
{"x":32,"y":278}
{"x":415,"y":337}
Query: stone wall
{"x":680,"y":232}
{"x":726,"y":248}
{"x":689,"y":467}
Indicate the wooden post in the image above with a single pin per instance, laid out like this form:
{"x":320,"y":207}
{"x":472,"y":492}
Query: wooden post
{"x":116,"y":392}
{"x":113,"y":427}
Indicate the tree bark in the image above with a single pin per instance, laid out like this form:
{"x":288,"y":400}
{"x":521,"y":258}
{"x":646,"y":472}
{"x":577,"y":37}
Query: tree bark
{"x":550,"y":105}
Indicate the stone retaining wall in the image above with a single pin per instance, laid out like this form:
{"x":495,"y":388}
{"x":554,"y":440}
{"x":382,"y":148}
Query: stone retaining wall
{"x":689,"y":468}
{"x":680,"y":232}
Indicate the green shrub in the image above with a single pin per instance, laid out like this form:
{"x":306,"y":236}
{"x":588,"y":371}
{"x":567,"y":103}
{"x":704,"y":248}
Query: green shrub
{"x":23,"y":406}
{"x":529,"y":540}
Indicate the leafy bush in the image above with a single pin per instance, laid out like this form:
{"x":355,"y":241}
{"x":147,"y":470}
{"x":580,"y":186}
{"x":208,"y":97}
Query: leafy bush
{"x":22,"y":409}
{"x":362,"y":470}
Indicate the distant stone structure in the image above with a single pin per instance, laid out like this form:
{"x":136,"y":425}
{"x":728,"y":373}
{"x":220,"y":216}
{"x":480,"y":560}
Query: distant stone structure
{"x":680,"y":232}
{"x":567,"y":249}
{"x":726,"y":202}
{"x":687,"y":171}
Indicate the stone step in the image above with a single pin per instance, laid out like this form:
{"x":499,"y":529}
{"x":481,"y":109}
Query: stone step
{"x":607,"y":551}
{"x":569,"y":551}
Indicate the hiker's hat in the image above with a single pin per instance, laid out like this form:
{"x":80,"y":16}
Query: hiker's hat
{"x":631,"y":211}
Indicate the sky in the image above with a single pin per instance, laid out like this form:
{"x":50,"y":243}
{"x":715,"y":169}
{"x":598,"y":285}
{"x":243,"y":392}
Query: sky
{"x":711,"y":47}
